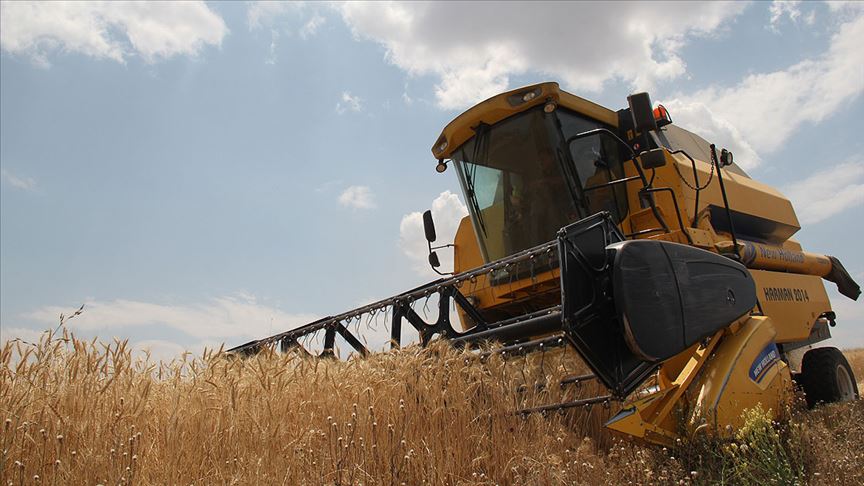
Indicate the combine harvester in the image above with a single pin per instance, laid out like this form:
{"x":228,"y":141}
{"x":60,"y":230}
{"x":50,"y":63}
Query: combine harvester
{"x":670,"y":271}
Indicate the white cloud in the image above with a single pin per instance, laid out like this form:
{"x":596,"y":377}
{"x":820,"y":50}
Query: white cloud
{"x":850,"y":6}
{"x":447,"y":212}
{"x":259,"y":14}
{"x":783,"y":8}
{"x":108,"y":30}
{"x":762,"y":111}
{"x":357,"y":197}
{"x":31,"y":336}
{"x":474,"y":48}
{"x":828,"y":192}
{"x":229,"y":318}
{"x":277,"y":17}
{"x":311,"y":26}
{"x":349,"y":102}
{"x":273,"y":15}
{"x":21,"y":182}
{"x":696,"y":116}
{"x":267,"y":14}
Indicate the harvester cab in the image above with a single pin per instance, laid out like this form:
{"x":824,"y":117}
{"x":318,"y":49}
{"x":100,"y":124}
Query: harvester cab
{"x":633,"y":241}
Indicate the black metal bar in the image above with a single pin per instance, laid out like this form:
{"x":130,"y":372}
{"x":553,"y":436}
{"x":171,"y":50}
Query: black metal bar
{"x":696,"y":184}
{"x":571,"y":380}
{"x":292,"y":344}
{"x":677,"y":209}
{"x":564,"y":405}
{"x":612,"y":183}
{"x":532,"y":315}
{"x":415,"y":320}
{"x":248,"y":349}
{"x":531,"y":327}
{"x":645,"y":232}
{"x":351,"y":339}
{"x":329,"y":343}
{"x":396,"y":327}
{"x":470,"y":310}
{"x":725,"y":200}
{"x":442,"y":325}
{"x":527,"y":347}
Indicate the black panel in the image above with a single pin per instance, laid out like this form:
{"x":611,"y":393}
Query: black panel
{"x":646,"y":291}
{"x":670,"y":296}
{"x":588,"y":310}
{"x":751,"y":227}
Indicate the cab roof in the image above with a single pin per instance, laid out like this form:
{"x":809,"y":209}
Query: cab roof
{"x":507,"y":104}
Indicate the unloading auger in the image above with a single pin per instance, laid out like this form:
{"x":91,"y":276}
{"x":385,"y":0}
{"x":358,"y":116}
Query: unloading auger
{"x":662,"y":263}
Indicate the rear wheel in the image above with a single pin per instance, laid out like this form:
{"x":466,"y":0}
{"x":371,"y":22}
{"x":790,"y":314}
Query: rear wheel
{"x":827,"y":377}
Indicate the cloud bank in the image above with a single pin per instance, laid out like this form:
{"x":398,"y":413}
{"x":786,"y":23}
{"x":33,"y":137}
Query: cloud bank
{"x":761,"y":112}
{"x":108,"y":30}
{"x":233,"y":318}
{"x":358,"y":197}
{"x":474,"y":50}
{"x":828,"y":192}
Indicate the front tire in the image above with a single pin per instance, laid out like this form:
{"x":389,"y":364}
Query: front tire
{"x":827,"y":377}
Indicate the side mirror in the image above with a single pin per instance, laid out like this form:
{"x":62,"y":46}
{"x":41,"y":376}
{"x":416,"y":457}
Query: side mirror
{"x":642,"y":112}
{"x":726,"y":158}
{"x":429,"y":227}
{"x":433,"y":260}
{"x":653,"y":158}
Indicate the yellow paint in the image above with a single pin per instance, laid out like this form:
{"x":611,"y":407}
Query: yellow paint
{"x":793,"y":302}
{"x":708,"y":384}
{"x":724,"y":387}
{"x":498,"y":108}
{"x":651,"y":418}
{"x":712,"y":388}
{"x":779,"y":258}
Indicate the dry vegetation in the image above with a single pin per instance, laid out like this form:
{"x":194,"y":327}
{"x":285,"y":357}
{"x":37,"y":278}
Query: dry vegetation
{"x":85,"y":413}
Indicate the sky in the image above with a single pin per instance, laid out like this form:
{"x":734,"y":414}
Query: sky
{"x":203,"y":173}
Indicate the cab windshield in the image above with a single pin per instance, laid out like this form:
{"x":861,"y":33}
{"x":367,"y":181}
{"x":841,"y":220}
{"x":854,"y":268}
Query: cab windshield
{"x":521,"y":186}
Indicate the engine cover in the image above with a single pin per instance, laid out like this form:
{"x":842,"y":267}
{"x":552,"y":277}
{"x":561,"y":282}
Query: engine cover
{"x":670,"y":296}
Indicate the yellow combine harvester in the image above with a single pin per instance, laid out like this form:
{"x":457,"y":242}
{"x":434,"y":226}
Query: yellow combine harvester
{"x":630,"y":239}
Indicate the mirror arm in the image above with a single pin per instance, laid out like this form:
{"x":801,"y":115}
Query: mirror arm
{"x":432,"y":252}
{"x":617,"y":138}
{"x":439,"y":272}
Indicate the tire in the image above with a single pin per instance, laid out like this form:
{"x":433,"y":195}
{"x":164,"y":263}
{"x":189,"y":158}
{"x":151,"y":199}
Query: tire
{"x":827,"y":377}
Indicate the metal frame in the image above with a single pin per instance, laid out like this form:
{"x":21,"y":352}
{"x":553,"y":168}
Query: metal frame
{"x":446,"y":289}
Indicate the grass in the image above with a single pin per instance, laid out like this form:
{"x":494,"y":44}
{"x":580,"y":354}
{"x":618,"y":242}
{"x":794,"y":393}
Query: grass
{"x":78,"y":412}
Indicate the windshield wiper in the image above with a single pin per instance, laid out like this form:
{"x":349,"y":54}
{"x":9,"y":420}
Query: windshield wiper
{"x":481,"y":138}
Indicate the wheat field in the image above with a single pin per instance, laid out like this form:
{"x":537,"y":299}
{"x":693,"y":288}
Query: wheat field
{"x":83,"y":412}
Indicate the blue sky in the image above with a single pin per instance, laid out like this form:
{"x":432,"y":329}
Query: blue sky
{"x":198,"y":173}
